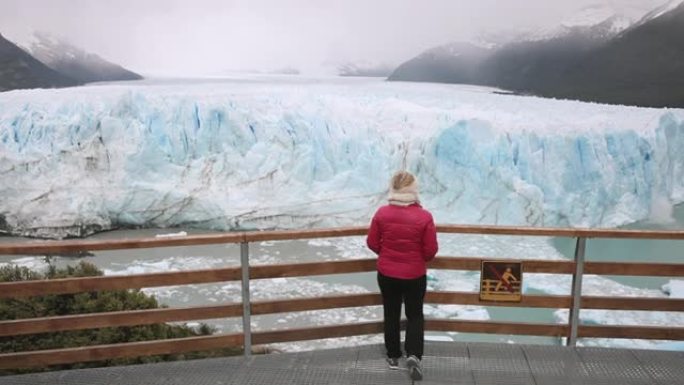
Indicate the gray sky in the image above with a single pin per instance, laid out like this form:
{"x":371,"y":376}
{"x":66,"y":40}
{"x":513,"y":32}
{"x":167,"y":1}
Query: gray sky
{"x":195,"y":37}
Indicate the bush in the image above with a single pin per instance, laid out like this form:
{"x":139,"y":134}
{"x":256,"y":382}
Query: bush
{"x":90,"y":302}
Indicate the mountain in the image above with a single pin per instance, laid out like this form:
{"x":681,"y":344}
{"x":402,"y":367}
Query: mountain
{"x":450,"y":63}
{"x":18,"y":69}
{"x":365,"y":69}
{"x":76,"y":63}
{"x":511,"y":64}
{"x":608,"y":17}
{"x":612,"y":61}
{"x":643,"y":66}
{"x":659,"y":11}
{"x":528,"y":65}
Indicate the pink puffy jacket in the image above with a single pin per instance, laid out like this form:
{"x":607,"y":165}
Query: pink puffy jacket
{"x":404,"y":237}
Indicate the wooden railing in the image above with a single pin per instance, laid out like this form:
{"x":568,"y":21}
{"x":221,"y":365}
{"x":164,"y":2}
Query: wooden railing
{"x":575,"y":301}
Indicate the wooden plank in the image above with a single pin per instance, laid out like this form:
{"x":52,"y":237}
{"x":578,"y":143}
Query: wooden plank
{"x":42,"y":358}
{"x":470,"y":298}
{"x":113,"y":319}
{"x":456,"y":263}
{"x":313,"y":268}
{"x":516,"y":328}
{"x":280,"y":235}
{"x":529,"y":265}
{"x":632,"y":303}
{"x":303,"y":304}
{"x":636,"y":269}
{"x":507,"y":230}
{"x":560,"y":232}
{"x":78,"y":285}
{"x":152,"y":316}
{"x":553,"y":267}
{"x":632,"y":332}
{"x":365,"y":265}
{"x":315,"y":333}
{"x":74,"y":245}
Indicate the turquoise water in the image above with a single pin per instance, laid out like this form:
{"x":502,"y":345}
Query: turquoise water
{"x":634,"y":250}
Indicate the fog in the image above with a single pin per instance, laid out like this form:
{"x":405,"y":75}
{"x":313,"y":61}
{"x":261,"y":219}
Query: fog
{"x":213,"y":37}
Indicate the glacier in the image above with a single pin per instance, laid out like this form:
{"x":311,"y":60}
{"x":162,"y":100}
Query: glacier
{"x":264,"y":152}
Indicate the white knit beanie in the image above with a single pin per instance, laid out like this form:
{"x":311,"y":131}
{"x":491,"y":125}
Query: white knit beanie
{"x":405,"y":195}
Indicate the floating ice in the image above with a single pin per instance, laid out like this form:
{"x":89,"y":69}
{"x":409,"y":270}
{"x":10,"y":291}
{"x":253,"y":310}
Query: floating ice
{"x":674,"y":288}
{"x":38,"y":264}
{"x":154,"y":265}
{"x":169,"y":235}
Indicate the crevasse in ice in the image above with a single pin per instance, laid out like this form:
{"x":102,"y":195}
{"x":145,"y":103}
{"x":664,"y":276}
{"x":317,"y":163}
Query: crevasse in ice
{"x":272,"y":153}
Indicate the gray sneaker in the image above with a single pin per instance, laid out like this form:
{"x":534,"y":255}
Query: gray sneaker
{"x":413,"y":365}
{"x":393,"y":363}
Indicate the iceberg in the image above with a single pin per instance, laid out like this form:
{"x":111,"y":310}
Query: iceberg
{"x":279,"y":152}
{"x":674,"y":288}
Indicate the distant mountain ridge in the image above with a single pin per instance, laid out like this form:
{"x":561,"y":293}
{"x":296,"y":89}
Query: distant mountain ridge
{"x":76,"y":63}
{"x":365,"y":69}
{"x":50,"y":63}
{"x":644,"y":65}
{"x":499,"y":64}
{"x":18,"y":69}
{"x":610,"y":62}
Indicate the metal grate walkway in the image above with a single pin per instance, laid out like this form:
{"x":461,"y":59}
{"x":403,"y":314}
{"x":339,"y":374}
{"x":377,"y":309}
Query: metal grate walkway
{"x":443,"y":363}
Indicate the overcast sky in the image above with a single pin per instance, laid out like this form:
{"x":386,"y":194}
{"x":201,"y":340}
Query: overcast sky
{"x":194,"y":37}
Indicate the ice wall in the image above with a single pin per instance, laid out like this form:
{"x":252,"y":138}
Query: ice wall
{"x":263,"y":153}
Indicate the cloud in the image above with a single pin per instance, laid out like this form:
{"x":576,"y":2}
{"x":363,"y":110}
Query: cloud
{"x":214,"y":36}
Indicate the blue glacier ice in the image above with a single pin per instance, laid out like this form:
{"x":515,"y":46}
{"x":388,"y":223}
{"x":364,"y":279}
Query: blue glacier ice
{"x":271,"y":152}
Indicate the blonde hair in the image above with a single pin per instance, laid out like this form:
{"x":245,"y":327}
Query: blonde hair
{"x":403,"y":189}
{"x":402,"y":179}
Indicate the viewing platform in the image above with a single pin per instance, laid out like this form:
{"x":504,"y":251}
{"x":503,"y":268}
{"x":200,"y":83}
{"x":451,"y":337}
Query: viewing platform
{"x":444,"y":363}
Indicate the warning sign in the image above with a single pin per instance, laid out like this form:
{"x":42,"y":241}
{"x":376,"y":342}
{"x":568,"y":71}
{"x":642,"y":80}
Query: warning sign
{"x":501,"y":281}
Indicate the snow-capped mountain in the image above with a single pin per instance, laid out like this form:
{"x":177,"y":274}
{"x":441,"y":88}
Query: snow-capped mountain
{"x":580,"y":59}
{"x":643,"y":65}
{"x":74,"y":62}
{"x":602,"y":20}
{"x":590,"y":26}
{"x":18,"y":69}
{"x":659,"y":11}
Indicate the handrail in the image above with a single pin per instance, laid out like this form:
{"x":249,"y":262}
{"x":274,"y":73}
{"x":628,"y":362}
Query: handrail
{"x":152,"y":316}
{"x":561,"y":232}
{"x":76,"y":245}
{"x":246,"y":272}
{"x":116,"y":318}
{"x":41,"y":358}
{"x":76,"y":285}
{"x":72,"y":246}
{"x":115,"y":282}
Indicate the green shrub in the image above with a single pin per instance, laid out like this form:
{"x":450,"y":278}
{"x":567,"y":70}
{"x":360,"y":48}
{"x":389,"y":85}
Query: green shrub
{"x":90,"y":302}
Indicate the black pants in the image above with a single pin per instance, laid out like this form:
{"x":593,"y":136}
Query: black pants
{"x":411,"y":292}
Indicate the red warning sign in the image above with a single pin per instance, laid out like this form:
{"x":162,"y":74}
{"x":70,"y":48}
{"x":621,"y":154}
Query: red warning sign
{"x":501,"y":281}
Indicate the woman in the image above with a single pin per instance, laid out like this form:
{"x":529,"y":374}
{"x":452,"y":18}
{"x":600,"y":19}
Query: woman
{"x":404,"y":237}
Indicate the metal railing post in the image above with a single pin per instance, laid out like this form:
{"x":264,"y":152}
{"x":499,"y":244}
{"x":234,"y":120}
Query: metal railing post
{"x":246,"y":307}
{"x":573,"y":318}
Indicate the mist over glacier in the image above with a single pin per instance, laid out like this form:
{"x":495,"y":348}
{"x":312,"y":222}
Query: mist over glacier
{"x":286,"y":152}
